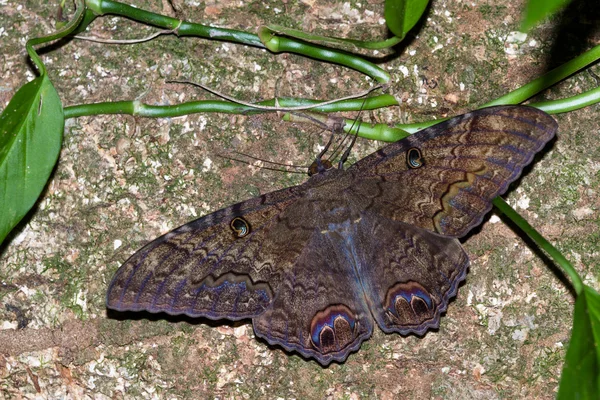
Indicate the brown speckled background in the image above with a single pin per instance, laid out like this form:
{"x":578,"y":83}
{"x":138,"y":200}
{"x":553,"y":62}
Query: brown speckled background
{"x":122,"y":181}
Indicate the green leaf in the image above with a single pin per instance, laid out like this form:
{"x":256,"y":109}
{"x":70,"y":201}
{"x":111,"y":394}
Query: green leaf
{"x":31,"y":129}
{"x":402,"y":15}
{"x":537,"y":10}
{"x":581,"y":373}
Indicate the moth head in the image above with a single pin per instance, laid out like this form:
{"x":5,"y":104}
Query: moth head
{"x":319,"y":166}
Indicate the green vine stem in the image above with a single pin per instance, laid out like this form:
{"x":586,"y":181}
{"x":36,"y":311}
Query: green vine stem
{"x":181,"y":28}
{"x":362,"y":44}
{"x":278,"y":44}
{"x":541,"y":242}
{"x":227,"y":107}
{"x":548,"y":79}
{"x":553,"y":107}
{"x":272,"y":42}
{"x":281,"y":44}
{"x":378,"y":132}
{"x":570,"y":103}
{"x":37,"y":61}
{"x":381,"y":132}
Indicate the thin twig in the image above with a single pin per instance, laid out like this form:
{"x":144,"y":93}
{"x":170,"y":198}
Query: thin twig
{"x":129,"y":41}
{"x":271,"y":108}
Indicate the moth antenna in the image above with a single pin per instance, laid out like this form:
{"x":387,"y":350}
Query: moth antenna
{"x":346,"y":153}
{"x":227,"y":157}
{"x":327,"y":123}
{"x":334,"y":125}
{"x":269,"y":162}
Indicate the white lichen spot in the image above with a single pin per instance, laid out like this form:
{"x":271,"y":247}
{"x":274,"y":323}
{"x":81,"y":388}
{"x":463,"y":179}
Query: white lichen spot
{"x":239,"y":331}
{"x":117,"y":243}
{"x":582,"y":212}
{"x":81,"y":300}
{"x":203,"y":122}
{"x":516,"y":37}
{"x":21,"y":236}
{"x":494,"y":321}
{"x":101,"y":71}
{"x":513,"y":42}
{"x":494,"y":219}
{"x":404,"y":70}
{"x":478,"y":370}
{"x":520,"y":334}
{"x":27,"y":292}
{"x":38,"y":358}
{"x":461,"y":86}
{"x":533,"y":43}
{"x":133,"y":189}
{"x":8,"y":325}
{"x":530,"y":297}
{"x":523,"y":202}
{"x":225,"y":376}
{"x":412,"y":52}
{"x":470,"y":298}
{"x":482,"y":310}
{"x":207,"y":165}
{"x":187,"y":127}
{"x":82,"y":91}
{"x":445,"y":370}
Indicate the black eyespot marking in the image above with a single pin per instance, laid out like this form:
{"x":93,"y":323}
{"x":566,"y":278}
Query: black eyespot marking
{"x":414,"y":158}
{"x":240,"y":227}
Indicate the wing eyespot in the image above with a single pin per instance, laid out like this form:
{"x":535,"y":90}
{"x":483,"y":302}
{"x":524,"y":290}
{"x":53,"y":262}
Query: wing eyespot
{"x":240,"y":227}
{"x":334,"y":329}
{"x":414,"y":158}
